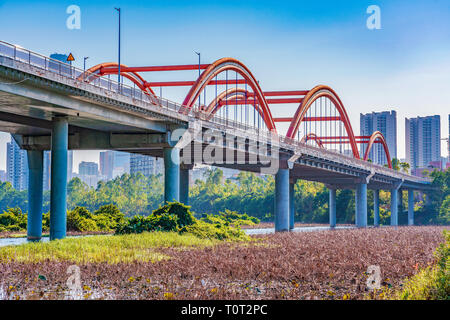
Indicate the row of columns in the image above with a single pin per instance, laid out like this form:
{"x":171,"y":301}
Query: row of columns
{"x":284,"y":204}
{"x":361,"y":206}
{"x":176,"y":184}
{"x":58,"y":182}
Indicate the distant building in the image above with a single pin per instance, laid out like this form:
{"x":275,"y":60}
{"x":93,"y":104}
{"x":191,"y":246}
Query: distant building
{"x":423,"y":143}
{"x":3,"y":176}
{"x":48,"y":165}
{"x":114,"y":164}
{"x":106,"y":164}
{"x":386,"y":123}
{"x":448,"y":140}
{"x":146,"y":165}
{"x":88,"y":168}
{"x":16,"y":166}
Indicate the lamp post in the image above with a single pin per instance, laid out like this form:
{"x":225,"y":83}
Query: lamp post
{"x":199,"y":55}
{"x":118,"y":74}
{"x":84,"y":67}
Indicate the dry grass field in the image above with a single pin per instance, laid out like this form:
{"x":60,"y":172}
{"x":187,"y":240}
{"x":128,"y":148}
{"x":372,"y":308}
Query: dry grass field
{"x":310,"y":265}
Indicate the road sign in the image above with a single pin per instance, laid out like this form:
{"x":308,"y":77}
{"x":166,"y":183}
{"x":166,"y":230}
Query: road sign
{"x":70,"y":57}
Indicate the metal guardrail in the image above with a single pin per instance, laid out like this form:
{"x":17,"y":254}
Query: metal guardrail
{"x":20,"y":54}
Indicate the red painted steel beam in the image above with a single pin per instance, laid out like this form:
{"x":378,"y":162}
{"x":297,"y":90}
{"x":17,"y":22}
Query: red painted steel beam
{"x":341,"y":142}
{"x":344,"y":137}
{"x":283,"y":93}
{"x":337,"y":118}
{"x":154,"y":68}
{"x":252,"y":101}
{"x":191,"y":83}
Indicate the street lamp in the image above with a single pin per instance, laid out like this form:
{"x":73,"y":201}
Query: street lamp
{"x":118,"y":74}
{"x":199,"y":55}
{"x":84,"y":67}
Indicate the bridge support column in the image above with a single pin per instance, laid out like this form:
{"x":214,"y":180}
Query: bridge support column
{"x":394,"y":207}
{"x":171,"y":174}
{"x":361,"y":205}
{"x":35,"y":196}
{"x":410,"y":207}
{"x":376,"y":208}
{"x":184,"y":186}
{"x":58,"y":192}
{"x":332,"y":208}
{"x":400,"y":201}
{"x":282,"y":200}
{"x":291,"y":206}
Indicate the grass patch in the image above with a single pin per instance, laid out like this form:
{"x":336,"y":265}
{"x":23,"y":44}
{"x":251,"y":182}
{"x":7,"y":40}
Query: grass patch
{"x":106,"y":248}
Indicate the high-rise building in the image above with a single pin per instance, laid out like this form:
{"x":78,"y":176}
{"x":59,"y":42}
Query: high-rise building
{"x":423,"y":143}
{"x":448,"y":140}
{"x":48,"y":166}
{"x":16,"y":165}
{"x":88,"y":168}
{"x":106,"y":164}
{"x":3,"y":176}
{"x":114,"y":163}
{"x":386,"y":123}
{"x":146,"y":165}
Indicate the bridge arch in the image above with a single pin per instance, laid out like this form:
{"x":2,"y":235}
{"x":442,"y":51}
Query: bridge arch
{"x":314,"y":94}
{"x":98,"y":71}
{"x":223,"y":65}
{"x":377,"y":135}
{"x":231,"y":94}
{"x":314,"y":137}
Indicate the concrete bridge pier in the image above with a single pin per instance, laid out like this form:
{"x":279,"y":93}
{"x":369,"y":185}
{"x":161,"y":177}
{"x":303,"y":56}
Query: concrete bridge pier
{"x":332,"y":207}
{"x":376,"y":208}
{"x":410,"y":207}
{"x":58,"y":191}
{"x":361,"y":205}
{"x":282,"y":211}
{"x":171,"y":174}
{"x":291,"y":205}
{"x":394,"y":207}
{"x":184,"y":185}
{"x":35,"y":196}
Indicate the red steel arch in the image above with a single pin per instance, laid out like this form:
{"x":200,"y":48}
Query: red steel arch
{"x":257,"y":97}
{"x":223,"y":65}
{"x":310,"y":97}
{"x":231,"y":95}
{"x":101,"y":70}
{"x":314,"y":137}
{"x":377,"y":135}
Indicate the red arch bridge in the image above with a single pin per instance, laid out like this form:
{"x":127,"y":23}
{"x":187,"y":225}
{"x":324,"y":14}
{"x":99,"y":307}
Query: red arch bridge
{"x":225,"y":117}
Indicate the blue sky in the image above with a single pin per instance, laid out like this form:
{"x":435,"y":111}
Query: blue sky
{"x":286,"y":44}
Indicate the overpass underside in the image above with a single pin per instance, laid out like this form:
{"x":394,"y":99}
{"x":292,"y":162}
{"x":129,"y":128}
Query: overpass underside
{"x":47,"y":111}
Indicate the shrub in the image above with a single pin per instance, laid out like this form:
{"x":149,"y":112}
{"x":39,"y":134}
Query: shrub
{"x":185,"y":217}
{"x":80,"y":219}
{"x":13,"y":220}
{"x":176,"y":216}
{"x":432,"y":283}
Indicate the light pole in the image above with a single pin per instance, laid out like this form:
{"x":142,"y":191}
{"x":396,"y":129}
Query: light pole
{"x":118,"y":74}
{"x":199,"y":55}
{"x":84,"y":67}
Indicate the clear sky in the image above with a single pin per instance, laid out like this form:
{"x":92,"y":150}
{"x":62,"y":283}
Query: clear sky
{"x":286,"y":44}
